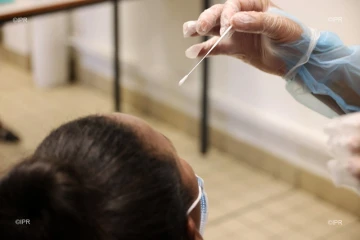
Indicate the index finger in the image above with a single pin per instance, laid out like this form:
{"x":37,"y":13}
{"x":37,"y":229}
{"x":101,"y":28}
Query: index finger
{"x":209,"y":19}
{"x":231,"y":7}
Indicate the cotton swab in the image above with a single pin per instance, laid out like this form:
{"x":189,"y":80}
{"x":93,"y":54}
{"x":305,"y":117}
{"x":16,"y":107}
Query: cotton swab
{"x":216,"y":43}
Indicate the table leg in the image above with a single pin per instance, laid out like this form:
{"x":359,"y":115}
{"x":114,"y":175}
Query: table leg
{"x":117,"y":95}
{"x":204,"y":128}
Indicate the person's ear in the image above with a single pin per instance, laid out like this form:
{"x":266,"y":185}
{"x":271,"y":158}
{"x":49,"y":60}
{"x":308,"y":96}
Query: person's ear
{"x":193,"y":232}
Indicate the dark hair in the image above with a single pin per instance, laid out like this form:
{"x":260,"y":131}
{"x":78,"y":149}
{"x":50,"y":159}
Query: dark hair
{"x":94,"y":178}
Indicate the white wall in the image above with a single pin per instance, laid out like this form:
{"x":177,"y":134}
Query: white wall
{"x":255,"y":106}
{"x":16,"y":38}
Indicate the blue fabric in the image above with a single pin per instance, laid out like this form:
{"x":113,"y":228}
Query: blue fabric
{"x":203,"y":206}
{"x":6,"y":1}
{"x":330,"y":68}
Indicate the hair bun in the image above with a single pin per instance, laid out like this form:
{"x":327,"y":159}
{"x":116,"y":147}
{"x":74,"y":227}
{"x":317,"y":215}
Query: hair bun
{"x":33,"y":186}
{"x":46,"y":194}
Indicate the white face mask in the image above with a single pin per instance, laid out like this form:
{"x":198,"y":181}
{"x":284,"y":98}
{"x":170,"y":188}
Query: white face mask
{"x":202,"y":198}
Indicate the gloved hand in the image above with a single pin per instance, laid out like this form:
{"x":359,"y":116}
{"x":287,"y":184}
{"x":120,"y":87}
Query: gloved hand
{"x":255,"y":35}
{"x":344,"y":142}
{"x":321,"y":72}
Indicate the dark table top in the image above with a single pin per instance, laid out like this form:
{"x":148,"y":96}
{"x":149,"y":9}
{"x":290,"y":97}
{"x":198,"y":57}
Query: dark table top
{"x":11,"y":11}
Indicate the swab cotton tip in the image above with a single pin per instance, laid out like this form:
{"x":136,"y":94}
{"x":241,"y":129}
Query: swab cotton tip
{"x":183,"y":80}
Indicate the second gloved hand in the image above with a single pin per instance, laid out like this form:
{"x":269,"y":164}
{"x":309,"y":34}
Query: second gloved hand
{"x":344,"y":143}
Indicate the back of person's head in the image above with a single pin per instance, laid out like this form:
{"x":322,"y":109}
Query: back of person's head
{"x":94,"y":178}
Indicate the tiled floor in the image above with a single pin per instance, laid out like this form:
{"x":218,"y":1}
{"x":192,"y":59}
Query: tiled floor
{"x":244,"y":203}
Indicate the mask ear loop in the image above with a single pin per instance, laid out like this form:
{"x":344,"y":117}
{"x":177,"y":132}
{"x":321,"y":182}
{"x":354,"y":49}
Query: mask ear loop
{"x":195,"y":203}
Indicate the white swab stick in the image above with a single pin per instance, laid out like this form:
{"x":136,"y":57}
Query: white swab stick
{"x":217,"y":42}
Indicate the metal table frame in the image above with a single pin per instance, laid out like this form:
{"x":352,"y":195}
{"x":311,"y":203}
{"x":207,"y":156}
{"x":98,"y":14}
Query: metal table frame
{"x":204,"y":123}
{"x":65,"y":6}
